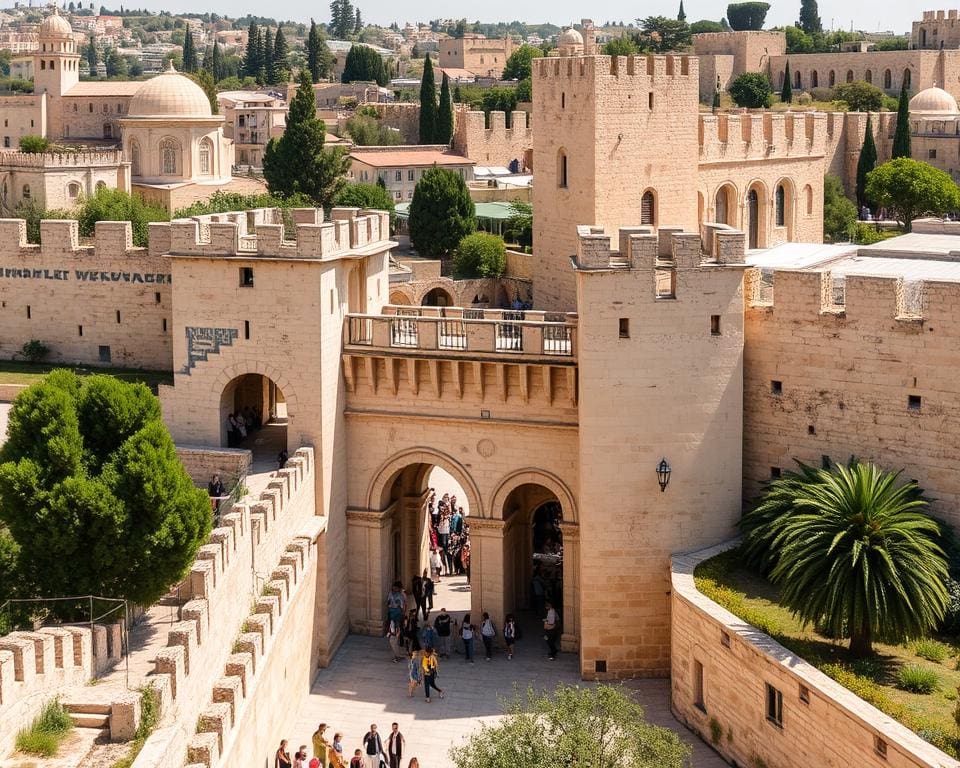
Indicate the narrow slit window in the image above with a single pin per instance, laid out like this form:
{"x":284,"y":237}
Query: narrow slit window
{"x":714,"y":325}
{"x":246,"y":329}
{"x":624,"y":328}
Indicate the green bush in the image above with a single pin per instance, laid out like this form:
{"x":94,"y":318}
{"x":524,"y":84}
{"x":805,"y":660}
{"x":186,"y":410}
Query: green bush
{"x":917,"y":679}
{"x":479,"y":255}
{"x":34,"y":145}
{"x":117,"y":205}
{"x":860,"y":96}
{"x":752,"y":90}
{"x":44,"y":735}
{"x":931,"y":650}
{"x":716,"y":731}
{"x":34,"y":350}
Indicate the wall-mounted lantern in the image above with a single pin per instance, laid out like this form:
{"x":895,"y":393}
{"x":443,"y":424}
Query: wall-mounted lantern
{"x":663,"y":474}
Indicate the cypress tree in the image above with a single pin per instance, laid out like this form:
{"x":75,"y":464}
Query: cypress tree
{"x":216,"y":63}
{"x":278,"y":64}
{"x":336,"y":18}
{"x":251,"y":61}
{"x":189,"y":61}
{"x":810,"y":18}
{"x":313,"y":52}
{"x":681,"y":16}
{"x":786,"y":93}
{"x":901,"y":137}
{"x":428,"y":104}
{"x":445,"y":114}
{"x":867,"y":161}
{"x":92,"y":56}
{"x":358,"y":23}
{"x":266,"y":55}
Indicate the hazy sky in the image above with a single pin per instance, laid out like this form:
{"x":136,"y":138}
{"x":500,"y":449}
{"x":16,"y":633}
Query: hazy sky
{"x":869,"y":15}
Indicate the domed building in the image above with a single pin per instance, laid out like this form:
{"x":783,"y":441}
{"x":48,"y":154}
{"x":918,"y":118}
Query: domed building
{"x":935,"y":130}
{"x":932,"y":102}
{"x":570,"y":43}
{"x":172,"y":139}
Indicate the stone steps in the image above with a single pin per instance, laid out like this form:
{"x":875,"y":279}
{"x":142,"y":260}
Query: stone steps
{"x":98,"y":722}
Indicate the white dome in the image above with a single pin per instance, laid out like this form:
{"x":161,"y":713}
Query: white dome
{"x":571,"y":37}
{"x":55,"y":24}
{"x":934,"y":101}
{"x":170,"y":95}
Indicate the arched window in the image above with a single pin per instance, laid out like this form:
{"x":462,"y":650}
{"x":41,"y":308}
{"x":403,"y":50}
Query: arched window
{"x":169,"y":158}
{"x":849,"y":75}
{"x":648,"y":209}
{"x":73,"y":190}
{"x":26,"y":191}
{"x":814,"y":79}
{"x":808,"y":197}
{"x":833,"y":78}
{"x":721,"y":207}
{"x":868,"y":76}
{"x":781,"y":205}
{"x":135,"y":158}
{"x":906,"y":79}
{"x":562,"y":169}
{"x":888,"y":79}
{"x":206,"y":157}
{"x":797,"y":82}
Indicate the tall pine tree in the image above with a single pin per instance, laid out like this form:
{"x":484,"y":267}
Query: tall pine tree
{"x":189,"y":63}
{"x":810,"y":18}
{"x":867,"y":161}
{"x":251,"y":61}
{"x":279,"y":64}
{"x":901,"y":137}
{"x":445,"y":113}
{"x":681,"y":15}
{"x":786,"y":93}
{"x":266,"y":56}
{"x":358,"y":23}
{"x":428,"y":104}
{"x":92,"y":56}
{"x":216,"y":63}
{"x":313,"y":52}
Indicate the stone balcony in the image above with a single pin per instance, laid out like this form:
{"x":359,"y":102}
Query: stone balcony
{"x":446,"y":332}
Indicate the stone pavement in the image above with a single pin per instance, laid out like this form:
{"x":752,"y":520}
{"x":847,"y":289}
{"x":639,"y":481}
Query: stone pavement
{"x":362,"y":686}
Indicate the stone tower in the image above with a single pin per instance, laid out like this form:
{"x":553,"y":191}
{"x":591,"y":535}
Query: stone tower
{"x":56,"y":68}
{"x":608,"y":148}
{"x":660,"y":377}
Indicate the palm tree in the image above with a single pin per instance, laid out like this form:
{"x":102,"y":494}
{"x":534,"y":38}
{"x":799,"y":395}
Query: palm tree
{"x":853,"y":553}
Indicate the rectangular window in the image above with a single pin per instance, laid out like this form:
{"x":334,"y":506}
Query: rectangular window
{"x":775,"y":473}
{"x":698,"y":686}
{"x":397,"y":195}
{"x":79,"y":330}
{"x":246,"y":277}
{"x":714,"y":325}
{"x":776,"y":387}
{"x":399,"y":176}
{"x":28,"y":311}
{"x":246,"y":329}
{"x":913,"y":402}
{"x":104,"y":353}
{"x":804,"y":694}
{"x":410,"y":175}
{"x":164,"y":325}
{"x":724,"y":639}
{"x":624,"y":327}
{"x":774,"y":706}
{"x":6,"y":142}
{"x":932,"y":154}
{"x":118,"y":316}
{"x":880,"y":746}
{"x":156,"y":297}
{"x":650,"y":101}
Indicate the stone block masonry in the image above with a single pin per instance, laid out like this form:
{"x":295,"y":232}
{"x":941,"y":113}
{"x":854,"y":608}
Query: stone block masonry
{"x":723,"y":671}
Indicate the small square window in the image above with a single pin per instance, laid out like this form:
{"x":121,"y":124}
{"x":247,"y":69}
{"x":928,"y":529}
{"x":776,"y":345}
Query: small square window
{"x":774,"y":706}
{"x":913,"y":402}
{"x":714,"y":325}
{"x":811,"y":430}
{"x":880,"y":747}
{"x":804,"y":694}
{"x":624,"y":327}
{"x":776,"y":387}
{"x":600,"y":665}
{"x":104,"y":353}
{"x":776,"y":473}
{"x":931,"y":154}
{"x":724,"y":639}
{"x":246,"y":277}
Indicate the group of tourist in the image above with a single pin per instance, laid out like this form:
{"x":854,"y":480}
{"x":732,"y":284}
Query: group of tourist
{"x":374,"y":751}
{"x":241,"y":423}
{"x":449,"y":537}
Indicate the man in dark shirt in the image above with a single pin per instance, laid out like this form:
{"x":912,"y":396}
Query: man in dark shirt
{"x":442,"y":625}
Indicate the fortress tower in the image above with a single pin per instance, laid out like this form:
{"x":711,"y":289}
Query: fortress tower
{"x":615,"y":143}
{"x":56,"y":65}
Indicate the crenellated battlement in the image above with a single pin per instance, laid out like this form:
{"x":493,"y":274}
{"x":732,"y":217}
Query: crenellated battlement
{"x":96,"y":159}
{"x":658,"y":68}
{"x":762,"y":136}
{"x":646,"y":248}
{"x":496,"y":145}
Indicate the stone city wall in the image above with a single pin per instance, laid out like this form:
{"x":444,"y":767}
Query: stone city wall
{"x":832,"y":367}
{"x":105,"y":304}
{"x":22,"y":116}
{"x":401,"y":116}
{"x":202,"y":463}
{"x":721,"y":672}
{"x":884,"y":69}
{"x":251,"y":560}
{"x":496,"y":145}
{"x":762,"y":136}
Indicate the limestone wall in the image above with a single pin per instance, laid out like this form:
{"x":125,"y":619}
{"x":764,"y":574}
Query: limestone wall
{"x":22,"y":116}
{"x":401,"y":116}
{"x":737,"y":663}
{"x":202,"y":463}
{"x":248,"y":559}
{"x":884,"y":69}
{"x":496,"y":145}
{"x":846,"y":372}
{"x":106,"y":304}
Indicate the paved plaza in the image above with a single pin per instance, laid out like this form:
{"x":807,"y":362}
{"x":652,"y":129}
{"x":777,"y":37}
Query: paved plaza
{"x":362,"y":686}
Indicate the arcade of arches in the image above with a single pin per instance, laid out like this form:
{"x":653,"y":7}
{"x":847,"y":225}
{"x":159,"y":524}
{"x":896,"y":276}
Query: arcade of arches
{"x":526,"y":547}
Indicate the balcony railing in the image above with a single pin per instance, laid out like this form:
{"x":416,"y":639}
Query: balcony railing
{"x":456,"y":330}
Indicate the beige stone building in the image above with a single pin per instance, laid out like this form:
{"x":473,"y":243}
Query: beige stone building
{"x":59,"y":180}
{"x":251,"y":119}
{"x":476,"y":54}
{"x":400,"y":167}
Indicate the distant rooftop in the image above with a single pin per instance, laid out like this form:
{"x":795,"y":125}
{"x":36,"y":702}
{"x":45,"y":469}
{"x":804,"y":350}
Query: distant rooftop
{"x":408,"y":157}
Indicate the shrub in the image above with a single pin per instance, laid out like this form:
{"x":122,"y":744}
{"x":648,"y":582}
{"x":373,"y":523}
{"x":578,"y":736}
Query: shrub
{"x":752,"y":90}
{"x":716,"y":730}
{"x":117,"y":205}
{"x":34,"y":350}
{"x":48,"y":729}
{"x":931,"y":650}
{"x":34,"y":145}
{"x":917,"y":679}
{"x":479,"y":255}
{"x":860,"y":96}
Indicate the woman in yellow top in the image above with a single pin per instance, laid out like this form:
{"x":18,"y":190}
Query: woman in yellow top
{"x":430,"y":665}
{"x":321,"y":747}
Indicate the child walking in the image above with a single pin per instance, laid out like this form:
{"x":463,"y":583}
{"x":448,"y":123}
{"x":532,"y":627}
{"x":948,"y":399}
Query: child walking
{"x":415,"y":673}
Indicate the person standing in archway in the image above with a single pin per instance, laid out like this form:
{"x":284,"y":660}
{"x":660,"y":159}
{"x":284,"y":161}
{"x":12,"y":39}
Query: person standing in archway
{"x":551,"y":627}
{"x":416,"y":589}
{"x":428,"y":590}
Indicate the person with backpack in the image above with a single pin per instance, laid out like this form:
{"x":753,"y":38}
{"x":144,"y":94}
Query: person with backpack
{"x":487,"y":633}
{"x":509,"y":634}
{"x":466,"y":634}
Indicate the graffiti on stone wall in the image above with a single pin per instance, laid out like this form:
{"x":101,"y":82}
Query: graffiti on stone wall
{"x":87,"y":276}
{"x":203,"y":342}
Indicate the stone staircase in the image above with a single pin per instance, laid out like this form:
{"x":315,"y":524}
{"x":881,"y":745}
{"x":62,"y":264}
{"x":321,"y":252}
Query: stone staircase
{"x":96,"y":716}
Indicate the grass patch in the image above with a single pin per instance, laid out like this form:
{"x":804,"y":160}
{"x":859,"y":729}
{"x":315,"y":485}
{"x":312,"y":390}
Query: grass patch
{"x":20,"y":372}
{"x":917,"y":679}
{"x":149,"y":718}
{"x":876,"y":680}
{"x":48,"y":730}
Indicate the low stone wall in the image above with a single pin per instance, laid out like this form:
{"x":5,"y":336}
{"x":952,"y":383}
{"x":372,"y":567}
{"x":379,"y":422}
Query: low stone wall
{"x":721,"y":668}
{"x":203,"y":463}
{"x":232,"y":575}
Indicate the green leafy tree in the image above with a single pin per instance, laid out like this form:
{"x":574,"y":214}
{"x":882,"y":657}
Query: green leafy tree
{"x":810,"y":17}
{"x":365,"y":64}
{"x":910,"y":189}
{"x":519,"y":65}
{"x":298,"y":162}
{"x":892,"y":44}
{"x":867,"y":161}
{"x":600,"y":727}
{"x":367,"y":131}
{"x":786,"y":93}
{"x":216,"y":63}
{"x":524,"y":90}
{"x":520,"y":223}
{"x":853,"y":552}
{"x":441,"y":213}
{"x":479,"y":255}
{"x":860,"y":96}
{"x":266,"y":56}
{"x":444,"y":113}
{"x":662,"y":35}
{"x":620,"y":46}
{"x":222,"y":202}
{"x":747,"y":16}
{"x":901,"y":136}
{"x":752,"y":90}
{"x":839,"y":212}
{"x":116,"y":65}
{"x":117,"y":205}
{"x":705,"y":26}
{"x":343,"y":20}
{"x":798,"y":41}
{"x":428,"y":105}
{"x":93,"y":493}
{"x":370,"y":196}
{"x":189,"y":54}
{"x":204,"y":79}
{"x":34,"y":145}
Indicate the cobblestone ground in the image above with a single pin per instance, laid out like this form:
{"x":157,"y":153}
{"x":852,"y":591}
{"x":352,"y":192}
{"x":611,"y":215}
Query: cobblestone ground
{"x":362,"y":686}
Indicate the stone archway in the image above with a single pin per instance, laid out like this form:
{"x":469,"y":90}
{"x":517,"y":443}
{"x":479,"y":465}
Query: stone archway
{"x":254,"y":415}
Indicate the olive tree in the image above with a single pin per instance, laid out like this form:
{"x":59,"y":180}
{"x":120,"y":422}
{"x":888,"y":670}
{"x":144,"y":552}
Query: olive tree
{"x":910,"y":189}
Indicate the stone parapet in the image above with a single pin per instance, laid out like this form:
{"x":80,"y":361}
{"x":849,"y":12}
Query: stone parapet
{"x":646,"y":248}
{"x":762,"y":136}
{"x":94,"y":159}
{"x":641,"y":66}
